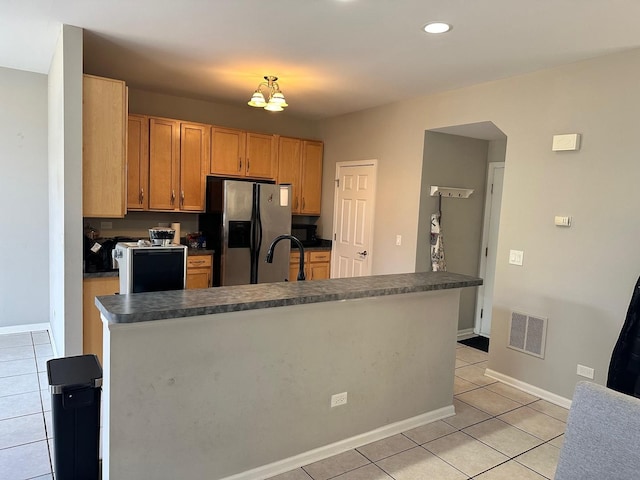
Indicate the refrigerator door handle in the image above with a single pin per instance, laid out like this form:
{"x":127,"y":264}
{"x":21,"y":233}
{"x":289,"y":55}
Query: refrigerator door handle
{"x":255,"y":235}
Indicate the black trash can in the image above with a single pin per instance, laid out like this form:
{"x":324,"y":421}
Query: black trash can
{"x":75,"y":384}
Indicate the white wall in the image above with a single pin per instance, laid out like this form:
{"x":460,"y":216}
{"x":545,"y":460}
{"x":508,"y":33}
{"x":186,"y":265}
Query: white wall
{"x":24,"y":256}
{"x":65,"y":192}
{"x":581,"y":278}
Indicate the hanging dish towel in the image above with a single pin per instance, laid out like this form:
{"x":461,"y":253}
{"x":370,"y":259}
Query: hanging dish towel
{"x":437,"y":246}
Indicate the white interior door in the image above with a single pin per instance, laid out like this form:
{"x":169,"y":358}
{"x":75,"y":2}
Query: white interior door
{"x":352,"y":251}
{"x":490,"y":243}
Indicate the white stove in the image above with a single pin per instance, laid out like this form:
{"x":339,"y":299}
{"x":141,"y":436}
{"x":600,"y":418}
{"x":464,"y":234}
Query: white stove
{"x":144,"y":267}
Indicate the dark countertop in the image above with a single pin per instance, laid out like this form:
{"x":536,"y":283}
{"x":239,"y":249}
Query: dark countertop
{"x":199,"y":251}
{"x":114,"y":273}
{"x":142,"y":307}
{"x":110,"y":273}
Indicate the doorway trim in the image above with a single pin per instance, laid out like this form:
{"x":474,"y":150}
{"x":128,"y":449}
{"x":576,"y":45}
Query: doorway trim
{"x":353,"y":163}
{"x":486,"y":239}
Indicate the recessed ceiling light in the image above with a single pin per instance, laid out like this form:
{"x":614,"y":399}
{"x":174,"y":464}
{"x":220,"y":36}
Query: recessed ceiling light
{"x":437,"y":27}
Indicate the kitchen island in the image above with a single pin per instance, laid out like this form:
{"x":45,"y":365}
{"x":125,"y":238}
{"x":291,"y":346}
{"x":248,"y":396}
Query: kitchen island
{"x":236,"y":382}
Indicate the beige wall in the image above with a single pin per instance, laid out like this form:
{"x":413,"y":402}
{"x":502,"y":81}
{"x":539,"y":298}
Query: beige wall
{"x":243,"y":117}
{"x":581,"y":277}
{"x":454,"y":161}
{"x":234,"y":391}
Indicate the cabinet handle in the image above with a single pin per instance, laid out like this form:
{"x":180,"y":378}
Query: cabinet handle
{"x":182,"y":198}
{"x":141,"y":196}
{"x":248,"y":165}
{"x":240,"y":165}
{"x":296,"y":204}
{"x":173,"y":196}
{"x":303,"y":203}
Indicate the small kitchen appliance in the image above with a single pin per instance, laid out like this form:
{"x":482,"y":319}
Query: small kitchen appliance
{"x":306,"y":233}
{"x":162,"y":236}
{"x":150,"y":268}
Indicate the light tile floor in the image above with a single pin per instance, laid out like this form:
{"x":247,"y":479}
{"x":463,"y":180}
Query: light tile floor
{"x":498,"y":432}
{"x":25,"y":406}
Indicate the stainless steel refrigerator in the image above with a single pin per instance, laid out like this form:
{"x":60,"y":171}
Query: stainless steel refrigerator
{"x":242,"y":220}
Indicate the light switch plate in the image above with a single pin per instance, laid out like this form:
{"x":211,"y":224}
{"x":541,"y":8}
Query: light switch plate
{"x":568,"y":142}
{"x":562,"y":221}
{"x":516,"y":257}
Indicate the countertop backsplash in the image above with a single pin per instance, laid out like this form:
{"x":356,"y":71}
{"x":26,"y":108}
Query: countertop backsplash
{"x":137,"y":224}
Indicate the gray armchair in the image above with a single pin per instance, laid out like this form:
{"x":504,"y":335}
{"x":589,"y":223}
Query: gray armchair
{"x":602,"y":439}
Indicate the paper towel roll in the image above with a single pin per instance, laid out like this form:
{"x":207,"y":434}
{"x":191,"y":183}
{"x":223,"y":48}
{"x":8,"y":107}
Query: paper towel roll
{"x":176,"y":237}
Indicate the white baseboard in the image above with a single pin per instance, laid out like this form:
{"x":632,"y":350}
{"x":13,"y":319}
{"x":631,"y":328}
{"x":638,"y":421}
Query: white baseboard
{"x":466,"y":333}
{"x":532,"y":389}
{"x":276,"y":468}
{"x":32,"y":327}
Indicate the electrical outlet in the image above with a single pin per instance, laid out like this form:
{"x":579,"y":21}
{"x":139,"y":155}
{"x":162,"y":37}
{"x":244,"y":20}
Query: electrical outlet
{"x":585,"y":371}
{"x":398,"y":240}
{"x":338,"y":399}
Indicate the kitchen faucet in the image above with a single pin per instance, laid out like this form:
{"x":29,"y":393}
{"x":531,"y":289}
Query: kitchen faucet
{"x":293,"y":239}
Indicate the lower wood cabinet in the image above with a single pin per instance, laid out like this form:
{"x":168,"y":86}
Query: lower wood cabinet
{"x":317,"y":265}
{"x":91,"y":322}
{"x":199,"y":271}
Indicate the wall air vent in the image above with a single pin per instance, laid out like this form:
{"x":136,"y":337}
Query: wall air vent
{"x":527,"y":333}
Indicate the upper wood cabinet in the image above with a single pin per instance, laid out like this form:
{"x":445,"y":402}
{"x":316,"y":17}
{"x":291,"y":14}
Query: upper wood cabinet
{"x":227,"y":151}
{"x":138,"y":162}
{"x":179,"y":155}
{"x":311,"y":177}
{"x":236,"y":153}
{"x":195,"y":156}
{"x":300,"y":164}
{"x":261,"y":154}
{"x":164,"y":167}
{"x":104,"y":116}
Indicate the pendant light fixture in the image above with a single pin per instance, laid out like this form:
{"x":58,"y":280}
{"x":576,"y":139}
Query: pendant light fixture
{"x":276,"y":102}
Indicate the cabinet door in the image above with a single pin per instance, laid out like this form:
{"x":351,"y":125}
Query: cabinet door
{"x":311,"y":177}
{"x":138,"y":162}
{"x":104,"y":117}
{"x":319,"y":271}
{"x":198,"y":278}
{"x":227,"y":152}
{"x":199,"y":272}
{"x":195,"y":151}
{"x":164,"y":156}
{"x":289,"y":168}
{"x":91,"y":322}
{"x":260,"y":156}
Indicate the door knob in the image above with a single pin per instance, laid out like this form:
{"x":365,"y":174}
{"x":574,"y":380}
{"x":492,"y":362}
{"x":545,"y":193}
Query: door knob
{"x":364,"y":254}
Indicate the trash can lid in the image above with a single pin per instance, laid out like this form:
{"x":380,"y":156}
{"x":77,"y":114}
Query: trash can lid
{"x":73,"y":372}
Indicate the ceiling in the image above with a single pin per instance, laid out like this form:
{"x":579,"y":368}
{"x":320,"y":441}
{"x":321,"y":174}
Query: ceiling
{"x":331,"y":56}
